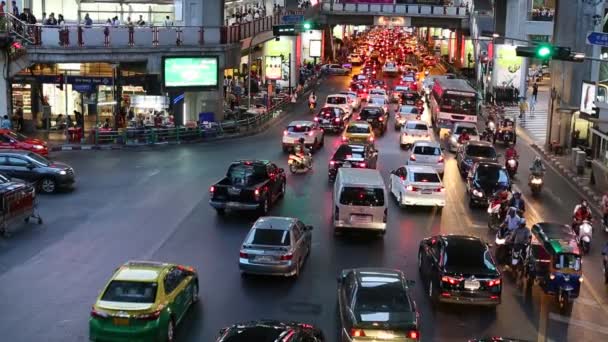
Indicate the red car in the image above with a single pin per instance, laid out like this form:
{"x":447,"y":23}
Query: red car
{"x":10,"y":140}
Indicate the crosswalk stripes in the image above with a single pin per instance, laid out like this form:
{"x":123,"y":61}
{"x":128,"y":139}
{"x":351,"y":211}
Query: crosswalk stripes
{"x":534,"y":123}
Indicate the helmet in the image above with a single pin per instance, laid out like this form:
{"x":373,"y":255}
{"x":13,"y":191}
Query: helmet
{"x":522,"y":222}
{"x":301,"y":140}
{"x":517,"y":194}
{"x":584,"y":203}
{"x":537,"y":159}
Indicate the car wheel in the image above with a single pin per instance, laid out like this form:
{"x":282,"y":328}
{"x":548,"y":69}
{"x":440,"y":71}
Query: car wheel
{"x":194,"y":293}
{"x":48,"y":185}
{"x":170,"y":331}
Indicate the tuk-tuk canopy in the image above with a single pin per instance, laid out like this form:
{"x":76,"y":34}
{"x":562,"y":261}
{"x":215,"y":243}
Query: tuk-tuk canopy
{"x":556,"y":238}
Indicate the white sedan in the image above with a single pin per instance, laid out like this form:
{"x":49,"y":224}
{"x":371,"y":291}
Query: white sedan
{"x":406,"y":113}
{"x":428,"y":153}
{"x":390,"y":68}
{"x":312,"y":133}
{"x":459,"y":127}
{"x":417,"y":186}
{"x":355,"y":101}
{"x":413,"y":131}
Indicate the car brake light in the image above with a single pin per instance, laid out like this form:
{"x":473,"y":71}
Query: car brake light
{"x":440,"y":159}
{"x":381,"y":119}
{"x":332,"y":163}
{"x":494,"y":282}
{"x":413,"y":334}
{"x":256,"y":192}
{"x":357,"y":333}
{"x":411,"y":188}
{"x":362,"y":165}
{"x":98,"y":314}
{"x":316,"y":119}
{"x":310,"y":133}
{"x":371,"y":139}
{"x":451,"y":280}
{"x":211,"y":189}
{"x":285,"y":132}
{"x":243,"y":255}
{"x":413,"y":157}
{"x":286,"y":257}
{"x":442,"y":189}
{"x":344,"y":138}
{"x":149,"y":317}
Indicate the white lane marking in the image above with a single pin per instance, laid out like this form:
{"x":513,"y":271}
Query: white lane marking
{"x":153,"y":172}
{"x":580,"y":323}
{"x":587,"y":301}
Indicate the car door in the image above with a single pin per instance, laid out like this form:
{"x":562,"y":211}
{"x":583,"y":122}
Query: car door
{"x":347,"y":298}
{"x":6,"y":143}
{"x":306,"y":237}
{"x":5,"y":168}
{"x":274,"y":182}
{"x":175,"y":293}
{"x":21,"y":168}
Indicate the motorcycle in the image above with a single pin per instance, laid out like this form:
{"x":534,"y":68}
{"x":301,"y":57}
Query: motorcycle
{"x":512,"y":165}
{"x":518,"y":256}
{"x":585,"y":232}
{"x":496,"y":211}
{"x":488,"y":135}
{"x":299,"y":164}
{"x":502,"y":252}
{"x":536,"y":184}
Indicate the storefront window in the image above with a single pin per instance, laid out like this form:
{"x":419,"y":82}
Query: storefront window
{"x":67,"y":8}
{"x":22,"y":97}
{"x":57,"y":99}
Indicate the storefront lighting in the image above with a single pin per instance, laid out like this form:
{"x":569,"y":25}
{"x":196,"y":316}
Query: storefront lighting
{"x":184,"y":113}
{"x":106,"y":103}
{"x":68,"y":66}
{"x":604,"y":55}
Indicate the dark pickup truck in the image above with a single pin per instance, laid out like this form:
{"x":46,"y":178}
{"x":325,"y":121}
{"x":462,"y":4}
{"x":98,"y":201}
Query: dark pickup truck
{"x":248,"y":185}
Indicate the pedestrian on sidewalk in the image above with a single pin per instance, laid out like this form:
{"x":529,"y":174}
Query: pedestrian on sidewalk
{"x":523,"y":108}
{"x":6,"y":123}
{"x":535,"y":91}
{"x":532,"y":106}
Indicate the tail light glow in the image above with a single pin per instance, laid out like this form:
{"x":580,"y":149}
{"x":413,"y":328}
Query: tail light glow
{"x":310,"y":134}
{"x":451,"y":280}
{"x":381,"y":119}
{"x":212,"y":189}
{"x":316,"y":119}
{"x":256,"y":192}
{"x":413,"y":157}
{"x":357,"y":332}
{"x":286,"y":257}
{"x":98,"y":314}
{"x":494,"y":282}
{"x":440,"y":159}
{"x":371,"y":139}
{"x":243,"y":255}
{"x":332,"y":163}
{"x":149,"y":317}
{"x":362,"y":165}
{"x":337,"y":120}
{"x":411,"y":188}
{"x":285,"y":132}
{"x":344,"y":138}
{"x":413,"y":334}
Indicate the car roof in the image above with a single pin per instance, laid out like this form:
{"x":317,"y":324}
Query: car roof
{"x":420,"y":169}
{"x":417,"y":122}
{"x":479,"y":143}
{"x":262,"y":330}
{"x":377,"y":275}
{"x":461,"y":238}
{"x":301,"y":123}
{"x":426,"y":143}
{"x":274,"y":222}
{"x":465,"y":124}
{"x":360,"y":177}
{"x":15,"y":152}
{"x":140,"y":271}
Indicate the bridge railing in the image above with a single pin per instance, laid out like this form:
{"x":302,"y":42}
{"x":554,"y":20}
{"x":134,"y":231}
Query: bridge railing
{"x":391,"y":7}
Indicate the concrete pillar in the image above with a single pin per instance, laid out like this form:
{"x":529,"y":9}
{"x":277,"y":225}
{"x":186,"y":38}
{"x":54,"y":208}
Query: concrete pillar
{"x":5,"y":105}
{"x":203,"y":12}
{"x":459,"y":59}
{"x":517,"y":14}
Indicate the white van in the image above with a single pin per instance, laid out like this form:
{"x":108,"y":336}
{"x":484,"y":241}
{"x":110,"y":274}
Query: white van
{"x":341,"y":100}
{"x":360,"y":200}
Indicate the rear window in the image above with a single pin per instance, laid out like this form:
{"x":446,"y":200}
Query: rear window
{"x":367,"y":113}
{"x":269,"y":237}
{"x":377,"y":101}
{"x":416,"y":126}
{"x":264,"y":333}
{"x":470,"y":130}
{"x":426,"y":177}
{"x":130,"y":292}
{"x":349,"y":152}
{"x":481,"y":151}
{"x":469,"y":256}
{"x":369,"y":197}
{"x":336,"y":100}
{"x":360,"y":77}
{"x":427,"y":150}
{"x":382,"y":298}
{"x":246,"y":174}
{"x":409,"y":79}
{"x":298,"y":129}
{"x":361,"y":129}
{"x":408,"y":110}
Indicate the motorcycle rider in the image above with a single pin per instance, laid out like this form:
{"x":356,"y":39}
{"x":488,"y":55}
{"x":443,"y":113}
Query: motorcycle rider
{"x":490,"y":130}
{"x":520,"y":238}
{"x":464,"y":137}
{"x":312,"y":100}
{"x":512,"y":220}
{"x":517,"y":202}
{"x":581,"y":213}
{"x":504,"y":195}
{"x":511,"y":153}
{"x":301,"y":152}
{"x":537,"y":168}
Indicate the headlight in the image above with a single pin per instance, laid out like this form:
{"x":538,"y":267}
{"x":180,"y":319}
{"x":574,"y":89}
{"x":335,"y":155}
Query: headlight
{"x":63,"y":173}
{"x":536,"y":181}
{"x":477,"y":193}
{"x":453,"y":140}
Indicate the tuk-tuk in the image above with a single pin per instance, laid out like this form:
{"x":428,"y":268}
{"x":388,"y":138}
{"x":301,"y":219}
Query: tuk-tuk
{"x":505,"y":131}
{"x":554,"y":261}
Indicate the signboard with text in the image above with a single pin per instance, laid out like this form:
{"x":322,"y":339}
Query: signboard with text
{"x":588,"y":97}
{"x":315,"y":48}
{"x":273,"y":68}
{"x":190,"y":72}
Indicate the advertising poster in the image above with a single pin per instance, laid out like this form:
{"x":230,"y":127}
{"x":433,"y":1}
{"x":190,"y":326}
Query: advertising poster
{"x":273,"y":68}
{"x":508,"y":66}
{"x":588,"y":97}
{"x":315,"y":48}
{"x":190,"y":72}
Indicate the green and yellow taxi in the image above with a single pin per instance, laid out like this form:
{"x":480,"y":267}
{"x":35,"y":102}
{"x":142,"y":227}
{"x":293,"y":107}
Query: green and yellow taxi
{"x":143,"y":301}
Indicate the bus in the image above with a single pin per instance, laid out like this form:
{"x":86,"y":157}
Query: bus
{"x":452,"y":100}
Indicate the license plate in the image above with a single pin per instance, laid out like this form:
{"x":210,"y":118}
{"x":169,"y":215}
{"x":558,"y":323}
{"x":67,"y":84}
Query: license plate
{"x":361,"y":218}
{"x":370,"y":120}
{"x":325,"y":121}
{"x":347,"y":164}
{"x":234,"y":191}
{"x":120,"y":321}
{"x":263,"y":258}
{"x":427,"y":191}
{"x":471,"y":284}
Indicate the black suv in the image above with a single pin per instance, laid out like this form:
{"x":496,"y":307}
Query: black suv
{"x":271,"y":331}
{"x":375,"y":116}
{"x":459,"y":269}
{"x":332,"y":119}
{"x":473,"y":152}
{"x":48,"y":176}
{"x":484,"y":180}
{"x":364,"y":156}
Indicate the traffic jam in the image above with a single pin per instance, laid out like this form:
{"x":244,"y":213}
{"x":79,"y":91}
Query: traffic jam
{"x":394,"y":92}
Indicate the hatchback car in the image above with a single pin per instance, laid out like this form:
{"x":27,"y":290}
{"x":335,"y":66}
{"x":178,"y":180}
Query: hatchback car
{"x":358,"y":131}
{"x":413,"y":131}
{"x":459,"y":269}
{"x":143,"y":301}
{"x":455,"y":133}
{"x":376,"y":116}
{"x":427,"y":153}
{"x":353,"y":155}
{"x":484,"y":180}
{"x":332,"y":119}
{"x":275,"y":246}
{"x":336,"y":69}
{"x":313,"y":135}
{"x":417,"y":186}
{"x":375,"y":305}
{"x":404,"y":114}
{"x":271,"y":331}
{"x":10,"y":140}
{"x":473,"y":152}
{"x":49,"y":176}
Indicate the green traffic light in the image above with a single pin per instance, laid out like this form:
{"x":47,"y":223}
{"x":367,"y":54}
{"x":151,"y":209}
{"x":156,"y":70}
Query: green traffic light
{"x":543,"y":52}
{"x":307,"y":26}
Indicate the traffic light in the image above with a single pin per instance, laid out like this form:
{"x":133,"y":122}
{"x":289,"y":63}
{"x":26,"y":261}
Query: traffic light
{"x":284,"y":30}
{"x":547,"y":51}
{"x":307,"y":25}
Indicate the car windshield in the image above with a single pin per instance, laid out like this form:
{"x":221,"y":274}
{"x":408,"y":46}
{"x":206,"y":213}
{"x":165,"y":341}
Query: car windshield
{"x":39,"y":159}
{"x":470,"y":130}
{"x":390,"y":65}
{"x":336,"y":100}
{"x":246,"y":174}
{"x":567,"y":261}
{"x":17,"y":136}
{"x":426,"y":177}
{"x":427,"y":150}
{"x":469,"y":256}
{"x":369,"y":197}
{"x":367,"y":113}
{"x":481,"y":151}
{"x":409,"y":79}
{"x":491,"y":174}
{"x":416,"y":126}
{"x":298,"y":129}
{"x":384,"y":297}
{"x":269,"y":237}
{"x":408,"y":110}
{"x":349,"y":152}
{"x":130,"y":292}
{"x":360,"y":129}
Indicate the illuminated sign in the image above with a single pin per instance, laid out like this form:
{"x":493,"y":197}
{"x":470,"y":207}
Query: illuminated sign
{"x":315,"y":48}
{"x":273,"y":68}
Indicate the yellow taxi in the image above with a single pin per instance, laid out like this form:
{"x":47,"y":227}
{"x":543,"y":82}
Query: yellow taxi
{"x":143,"y":301}
{"x":358,"y":131}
